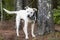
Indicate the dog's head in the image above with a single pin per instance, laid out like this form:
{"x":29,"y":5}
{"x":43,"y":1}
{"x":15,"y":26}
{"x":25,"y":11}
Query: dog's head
{"x":30,"y":11}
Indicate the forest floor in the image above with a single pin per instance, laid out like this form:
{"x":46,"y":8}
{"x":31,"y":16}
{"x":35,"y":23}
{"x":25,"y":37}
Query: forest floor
{"x":7,"y":32}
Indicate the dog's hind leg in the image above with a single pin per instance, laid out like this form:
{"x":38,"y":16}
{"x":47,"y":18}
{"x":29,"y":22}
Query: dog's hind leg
{"x":25,"y":29}
{"x":17,"y":25}
{"x":32,"y":30}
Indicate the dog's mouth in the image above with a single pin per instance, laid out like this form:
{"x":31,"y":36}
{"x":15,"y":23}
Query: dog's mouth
{"x":32,"y":17}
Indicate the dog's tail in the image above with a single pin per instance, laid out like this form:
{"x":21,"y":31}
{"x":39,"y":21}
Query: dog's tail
{"x":10,"y":12}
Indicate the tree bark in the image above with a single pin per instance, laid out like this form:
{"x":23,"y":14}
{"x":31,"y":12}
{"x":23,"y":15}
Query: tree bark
{"x":18,"y":4}
{"x":25,"y":3}
{"x":1,"y":11}
{"x":45,"y":17}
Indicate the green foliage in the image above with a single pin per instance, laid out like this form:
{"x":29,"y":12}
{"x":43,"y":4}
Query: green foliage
{"x":57,"y":13}
{"x":8,"y":4}
{"x":56,"y":16}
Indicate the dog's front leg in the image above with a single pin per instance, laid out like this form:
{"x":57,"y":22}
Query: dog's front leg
{"x":32,"y":29}
{"x":25,"y":29}
{"x":17,"y":25}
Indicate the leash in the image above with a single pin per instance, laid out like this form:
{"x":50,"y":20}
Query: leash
{"x":31,"y":3}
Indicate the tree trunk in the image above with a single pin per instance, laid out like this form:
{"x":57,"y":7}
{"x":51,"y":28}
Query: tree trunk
{"x":1,"y":11}
{"x":25,"y":3}
{"x":45,"y":17}
{"x":18,"y":4}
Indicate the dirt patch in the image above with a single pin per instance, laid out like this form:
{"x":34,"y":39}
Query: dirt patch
{"x":7,"y":32}
{"x":11,"y":35}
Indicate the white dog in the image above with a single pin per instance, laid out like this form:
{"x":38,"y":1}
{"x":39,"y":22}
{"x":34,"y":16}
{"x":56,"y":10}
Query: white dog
{"x":24,"y":14}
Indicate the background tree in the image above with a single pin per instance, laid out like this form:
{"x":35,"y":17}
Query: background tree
{"x":1,"y":11}
{"x":45,"y":17}
{"x":18,"y":4}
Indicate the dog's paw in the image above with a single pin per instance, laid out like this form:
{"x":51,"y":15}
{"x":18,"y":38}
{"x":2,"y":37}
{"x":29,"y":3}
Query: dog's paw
{"x":33,"y":36}
{"x":18,"y":35}
{"x":26,"y":38}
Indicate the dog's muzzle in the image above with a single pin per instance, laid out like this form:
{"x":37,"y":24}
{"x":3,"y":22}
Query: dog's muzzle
{"x":32,"y":17}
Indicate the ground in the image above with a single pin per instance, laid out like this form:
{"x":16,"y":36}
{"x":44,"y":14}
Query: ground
{"x":7,"y":32}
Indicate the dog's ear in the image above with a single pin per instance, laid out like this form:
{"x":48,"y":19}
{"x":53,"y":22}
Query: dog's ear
{"x":26,"y":7}
{"x":34,"y":9}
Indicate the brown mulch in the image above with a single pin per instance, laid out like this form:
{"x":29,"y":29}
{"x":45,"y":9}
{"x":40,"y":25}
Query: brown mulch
{"x":7,"y":32}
